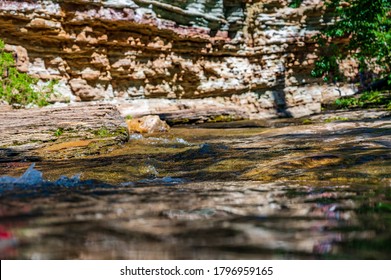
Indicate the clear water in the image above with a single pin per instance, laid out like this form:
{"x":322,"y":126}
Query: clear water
{"x":299,"y":192}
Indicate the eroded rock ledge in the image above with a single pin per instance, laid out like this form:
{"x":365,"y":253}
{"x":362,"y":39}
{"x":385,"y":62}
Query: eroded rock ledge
{"x":252,"y":58}
{"x":40,"y":127}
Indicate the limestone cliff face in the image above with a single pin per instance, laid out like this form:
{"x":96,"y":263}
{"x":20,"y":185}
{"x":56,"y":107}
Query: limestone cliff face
{"x":241,"y":57}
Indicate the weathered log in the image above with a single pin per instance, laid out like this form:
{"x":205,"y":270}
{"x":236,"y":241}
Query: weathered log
{"x":54,"y":124}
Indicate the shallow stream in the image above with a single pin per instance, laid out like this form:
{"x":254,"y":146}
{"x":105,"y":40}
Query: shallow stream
{"x":317,"y":191}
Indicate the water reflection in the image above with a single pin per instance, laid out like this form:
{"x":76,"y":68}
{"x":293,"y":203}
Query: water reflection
{"x":192,"y":220}
{"x":305,"y":192}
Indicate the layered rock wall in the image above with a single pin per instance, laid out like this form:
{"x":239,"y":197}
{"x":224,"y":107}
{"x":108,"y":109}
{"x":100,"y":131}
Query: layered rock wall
{"x":249,"y":59}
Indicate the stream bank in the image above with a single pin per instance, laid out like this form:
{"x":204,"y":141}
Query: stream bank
{"x":316,"y":189}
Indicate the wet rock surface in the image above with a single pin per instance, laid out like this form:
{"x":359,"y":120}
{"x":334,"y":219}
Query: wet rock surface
{"x":313,"y":191}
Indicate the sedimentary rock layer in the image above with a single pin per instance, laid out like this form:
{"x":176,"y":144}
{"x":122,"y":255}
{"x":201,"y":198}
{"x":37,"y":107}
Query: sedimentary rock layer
{"x":251,"y":57}
{"x":48,"y":125}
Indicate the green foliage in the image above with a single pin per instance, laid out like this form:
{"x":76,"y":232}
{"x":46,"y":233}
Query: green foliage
{"x":334,"y":119}
{"x":367,"y":99}
{"x":383,"y":207}
{"x":366,"y":24}
{"x":103,"y":132}
{"x":327,"y":67}
{"x":346,"y":102}
{"x":374,"y":97}
{"x":306,"y":121}
{"x":59,"y":131}
{"x":295,"y":3}
{"x":18,"y":88}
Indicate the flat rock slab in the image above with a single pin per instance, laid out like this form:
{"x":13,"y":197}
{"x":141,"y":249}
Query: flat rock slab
{"x":28,"y":127}
{"x":185,"y":110}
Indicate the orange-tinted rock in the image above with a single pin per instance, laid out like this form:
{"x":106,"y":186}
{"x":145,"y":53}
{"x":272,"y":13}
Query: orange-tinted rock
{"x":147,"y":124}
{"x":68,"y":145}
{"x":22,"y":59}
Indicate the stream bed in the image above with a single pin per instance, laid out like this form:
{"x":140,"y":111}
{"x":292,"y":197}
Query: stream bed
{"x":316,"y":191}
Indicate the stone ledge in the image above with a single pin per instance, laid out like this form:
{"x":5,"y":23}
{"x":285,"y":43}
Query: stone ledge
{"x":50,"y":125}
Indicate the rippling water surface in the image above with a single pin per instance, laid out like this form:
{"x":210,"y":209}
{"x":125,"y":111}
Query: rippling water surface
{"x":300,"y":192}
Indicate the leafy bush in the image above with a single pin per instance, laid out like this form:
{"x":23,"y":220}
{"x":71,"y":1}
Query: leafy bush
{"x":374,"y":97}
{"x":367,"y":99}
{"x":19,"y":89}
{"x":295,"y":3}
{"x":346,"y":102}
{"x":366,"y":24}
